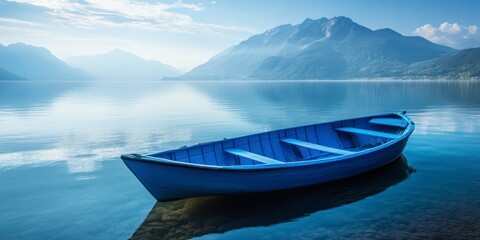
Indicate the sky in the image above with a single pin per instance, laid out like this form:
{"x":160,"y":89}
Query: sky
{"x":187,"y":33}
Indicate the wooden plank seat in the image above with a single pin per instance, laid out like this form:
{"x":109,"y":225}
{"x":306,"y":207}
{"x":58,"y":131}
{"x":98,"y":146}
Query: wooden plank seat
{"x":252,"y":156}
{"x":395,"y":122}
{"x":367,"y":132}
{"x":316,"y":146}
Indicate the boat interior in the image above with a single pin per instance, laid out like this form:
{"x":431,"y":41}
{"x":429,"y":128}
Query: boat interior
{"x":319,"y":141}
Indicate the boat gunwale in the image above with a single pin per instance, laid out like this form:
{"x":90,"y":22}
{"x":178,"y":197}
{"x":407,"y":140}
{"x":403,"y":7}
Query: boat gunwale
{"x":261,"y":167}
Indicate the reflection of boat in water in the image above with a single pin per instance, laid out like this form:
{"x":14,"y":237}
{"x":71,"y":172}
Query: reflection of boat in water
{"x":274,"y":160}
{"x":195,"y":217}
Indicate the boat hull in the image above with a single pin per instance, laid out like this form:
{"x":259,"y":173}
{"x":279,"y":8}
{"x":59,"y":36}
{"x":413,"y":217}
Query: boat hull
{"x":171,"y":181}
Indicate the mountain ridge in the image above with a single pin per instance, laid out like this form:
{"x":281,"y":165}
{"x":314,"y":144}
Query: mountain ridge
{"x":121,"y":65}
{"x":462,"y":64}
{"x":36,"y":63}
{"x":335,"y":48}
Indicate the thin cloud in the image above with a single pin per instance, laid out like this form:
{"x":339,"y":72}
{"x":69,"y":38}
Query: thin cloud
{"x":15,"y":25}
{"x":19,"y":22}
{"x":451,"y":34}
{"x":91,"y":14}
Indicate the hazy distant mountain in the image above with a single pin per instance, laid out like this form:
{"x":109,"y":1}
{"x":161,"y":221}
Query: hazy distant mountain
{"x":121,"y":65}
{"x":6,"y":75}
{"x":335,"y":48}
{"x":463,"y":64}
{"x":36,"y":63}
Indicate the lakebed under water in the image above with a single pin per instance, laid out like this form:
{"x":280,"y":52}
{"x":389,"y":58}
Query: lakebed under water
{"x":62,"y":177}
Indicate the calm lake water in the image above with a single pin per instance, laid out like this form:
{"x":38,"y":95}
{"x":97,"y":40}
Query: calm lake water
{"x":61,"y":176}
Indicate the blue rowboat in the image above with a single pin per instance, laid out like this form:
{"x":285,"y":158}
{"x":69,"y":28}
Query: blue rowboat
{"x":274,"y":160}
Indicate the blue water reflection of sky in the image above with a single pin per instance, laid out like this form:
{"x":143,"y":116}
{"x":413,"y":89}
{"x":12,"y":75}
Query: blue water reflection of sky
{"x":60,"y":145}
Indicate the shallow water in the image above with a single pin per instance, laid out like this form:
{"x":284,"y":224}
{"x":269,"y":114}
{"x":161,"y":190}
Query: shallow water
{"x":62,"y":177}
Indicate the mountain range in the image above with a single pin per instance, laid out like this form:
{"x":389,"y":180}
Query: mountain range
{"x":20,"y":61}
{"x":463,"y":64}
{"x":336,"y":48}
{"x":121,"y":65}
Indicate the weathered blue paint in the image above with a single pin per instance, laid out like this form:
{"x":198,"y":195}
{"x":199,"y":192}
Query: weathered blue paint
{"x":274,"y":160}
